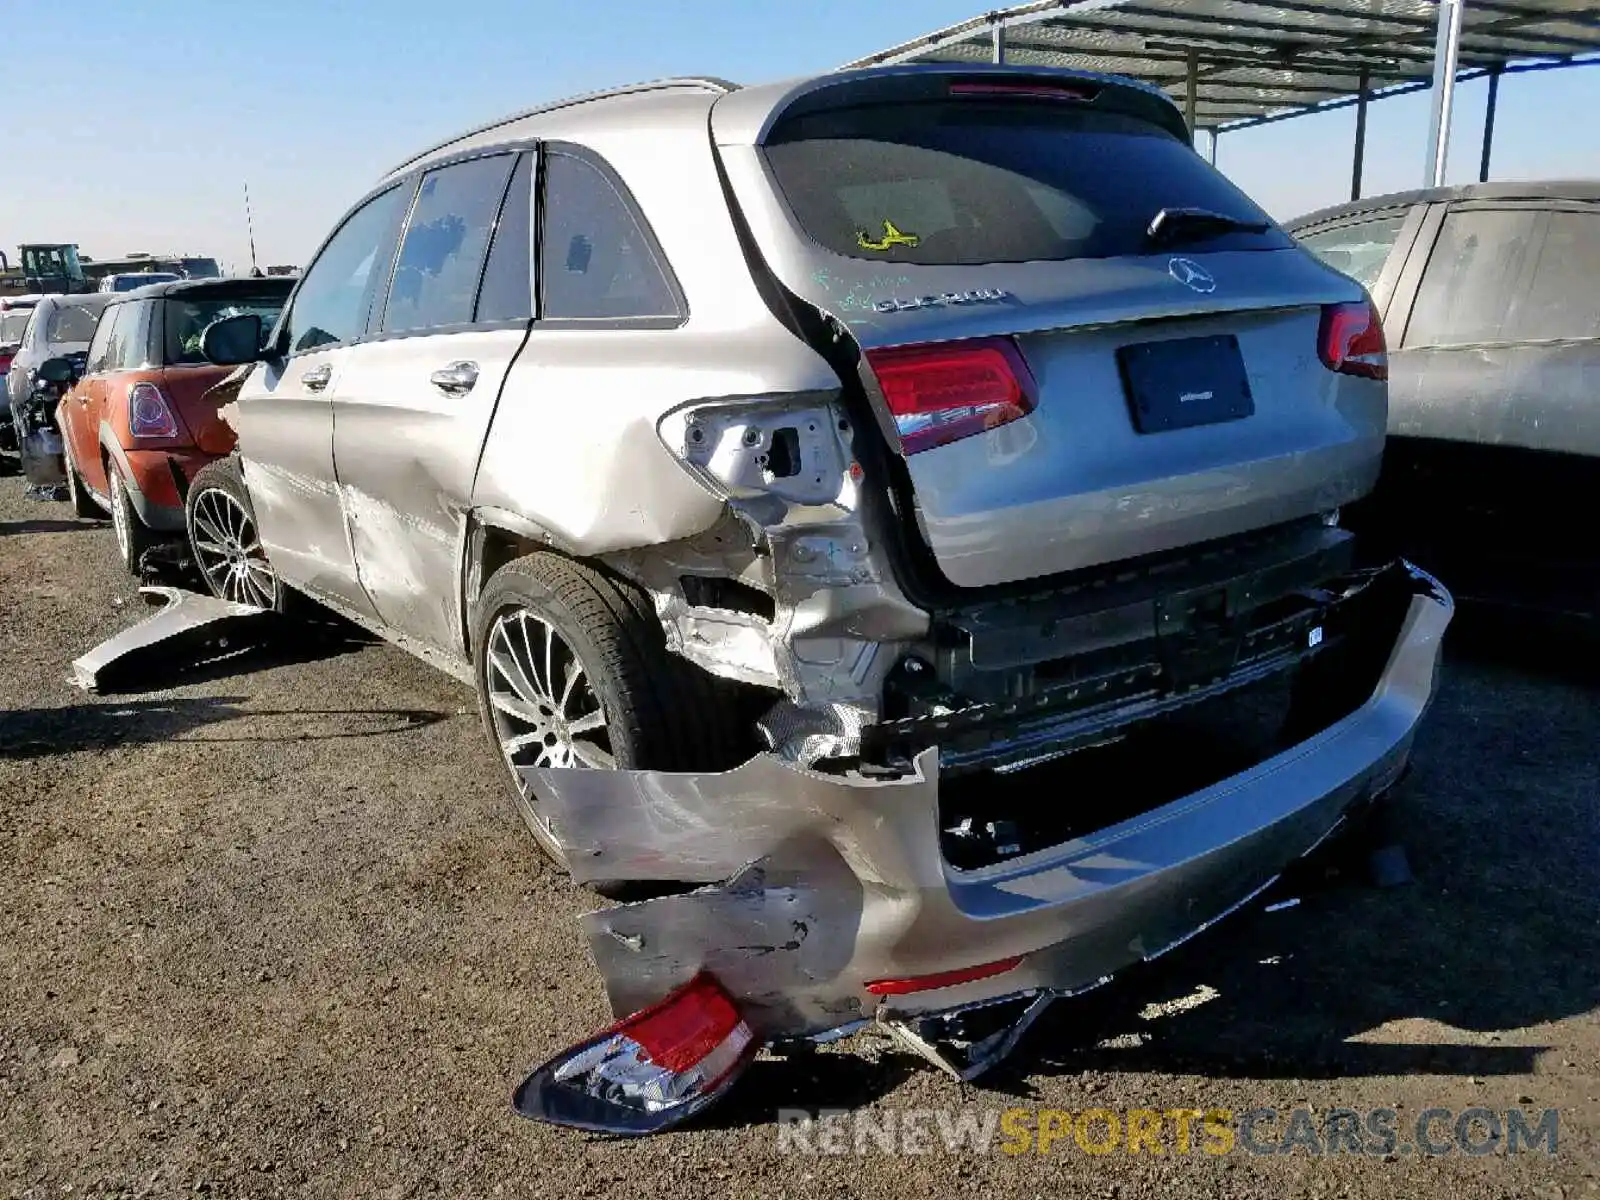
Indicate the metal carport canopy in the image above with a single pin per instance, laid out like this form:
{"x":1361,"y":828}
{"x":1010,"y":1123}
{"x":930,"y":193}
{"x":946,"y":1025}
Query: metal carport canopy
{"x":1234,"y":64}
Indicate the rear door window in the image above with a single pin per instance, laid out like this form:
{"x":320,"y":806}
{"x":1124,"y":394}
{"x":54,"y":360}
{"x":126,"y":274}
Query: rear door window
{"x":507,"y":292}
{"x":1475,"y":278}
{"x":969,"y":182}
{"x":1359,"y":249}
{"x":441,"y":257}
{"x":597,"y":261}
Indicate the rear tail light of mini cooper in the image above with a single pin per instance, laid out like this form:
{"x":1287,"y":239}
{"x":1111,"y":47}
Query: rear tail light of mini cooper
{"x":941,"y":392}
{"x":149,"y":414}
{"x":648,"y":1072}
{"x":1350,"y":340}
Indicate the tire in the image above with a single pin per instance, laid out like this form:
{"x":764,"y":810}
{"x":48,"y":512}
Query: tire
{"x":657,"y":712}
{"x":134,"y":537}
{"x":83,"y":504}
{"x":224,"y":538}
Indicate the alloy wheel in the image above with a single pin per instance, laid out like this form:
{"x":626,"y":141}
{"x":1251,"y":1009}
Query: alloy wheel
{"x":229,"y":552}
{"x":119,"y":513}
{"x":546,"y":712}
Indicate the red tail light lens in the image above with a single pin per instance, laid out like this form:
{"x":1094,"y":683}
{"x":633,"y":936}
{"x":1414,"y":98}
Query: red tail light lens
{"x":149,"y":415}
{"x":1350,"y":340}
{"x":1023,"y":90}
{"x":945,"y":391}
{"x":650,"y":1071}
{"x":925,"y":983}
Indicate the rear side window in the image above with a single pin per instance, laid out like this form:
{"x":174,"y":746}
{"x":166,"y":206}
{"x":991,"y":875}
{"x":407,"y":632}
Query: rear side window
{"x":1358,"y":250}
{"x":441,"y":258}
{"x":71,"y":323}
{"x":596,"y":261}
{"x":96,"y":358}
{"x":1474,"y":278}
{"x":507,"y":292}
{"x":963,"y":183}
{"x":122,"y":319}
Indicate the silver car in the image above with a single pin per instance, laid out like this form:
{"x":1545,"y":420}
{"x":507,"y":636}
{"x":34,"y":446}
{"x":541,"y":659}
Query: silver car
{"x":893,"y":515}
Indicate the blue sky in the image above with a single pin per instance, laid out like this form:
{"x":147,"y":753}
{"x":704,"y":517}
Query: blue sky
{"x":167,"y":107}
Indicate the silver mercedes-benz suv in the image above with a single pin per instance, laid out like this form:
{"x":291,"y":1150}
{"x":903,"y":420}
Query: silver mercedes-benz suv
{"x":914,"y":489}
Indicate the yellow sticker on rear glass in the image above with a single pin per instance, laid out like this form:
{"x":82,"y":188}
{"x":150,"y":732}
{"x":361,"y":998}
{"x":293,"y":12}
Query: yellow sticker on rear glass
{"x":891,"y":237}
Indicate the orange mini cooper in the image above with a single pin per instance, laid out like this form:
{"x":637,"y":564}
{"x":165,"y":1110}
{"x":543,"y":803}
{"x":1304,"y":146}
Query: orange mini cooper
{"x":142,"y":419}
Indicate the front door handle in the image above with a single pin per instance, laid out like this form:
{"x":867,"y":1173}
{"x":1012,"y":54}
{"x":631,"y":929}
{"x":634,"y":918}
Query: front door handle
{"x":317,"y":377}
{"x":456,"y":379}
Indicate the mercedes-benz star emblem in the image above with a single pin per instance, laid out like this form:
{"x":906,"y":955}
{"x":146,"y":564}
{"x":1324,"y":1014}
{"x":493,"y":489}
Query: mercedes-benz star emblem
{"x":1192,"y":275}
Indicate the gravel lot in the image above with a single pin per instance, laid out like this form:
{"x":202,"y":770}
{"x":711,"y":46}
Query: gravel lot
{"x":279,"y":931}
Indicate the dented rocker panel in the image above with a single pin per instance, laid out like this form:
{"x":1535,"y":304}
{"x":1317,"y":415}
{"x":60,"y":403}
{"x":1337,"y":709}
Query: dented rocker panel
{"x":817,"y":884}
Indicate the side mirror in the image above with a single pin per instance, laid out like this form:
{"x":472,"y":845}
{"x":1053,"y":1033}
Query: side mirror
{"x":55,"y":370}
{"x":232,"y":340}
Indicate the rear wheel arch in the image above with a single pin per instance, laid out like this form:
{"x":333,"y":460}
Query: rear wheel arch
{"x":494,"y":538}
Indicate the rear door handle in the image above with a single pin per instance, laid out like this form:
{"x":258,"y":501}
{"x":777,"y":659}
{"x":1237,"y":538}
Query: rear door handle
{"x":456,"y":379}
{"x":317,"y":377}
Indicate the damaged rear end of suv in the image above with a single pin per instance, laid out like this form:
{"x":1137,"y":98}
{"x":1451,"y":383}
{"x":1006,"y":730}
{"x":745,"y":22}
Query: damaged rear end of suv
{"x":1067,"y":656}
{"x":891,"y":522}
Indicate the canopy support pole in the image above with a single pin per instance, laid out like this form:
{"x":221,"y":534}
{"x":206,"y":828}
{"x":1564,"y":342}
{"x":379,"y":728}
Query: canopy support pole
{"x":997,"y":33}
{"x":1361,"y":135}
{"x":1211,"y":155}
{"x":1488,"y":125}
{"x":1446,"y":55}
{"x":1191,"y":93}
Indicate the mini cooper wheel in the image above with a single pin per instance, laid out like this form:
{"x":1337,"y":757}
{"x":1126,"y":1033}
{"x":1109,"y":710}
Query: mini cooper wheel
{"x":134,"y":537}
{"x":223,"y":538}
{"x":83,"y":504}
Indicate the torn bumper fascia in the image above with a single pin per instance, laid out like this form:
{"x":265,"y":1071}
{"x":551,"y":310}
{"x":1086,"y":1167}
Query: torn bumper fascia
{"x":187,"y":629}
{"x":818,"y":884}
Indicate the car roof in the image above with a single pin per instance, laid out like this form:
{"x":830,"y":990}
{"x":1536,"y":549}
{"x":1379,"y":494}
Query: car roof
{"x":27,"y":301}
{"x":1551,"y":189}
{"x":201,"y":288}
{"x":510,"y":127}
{"x":662,"y":105}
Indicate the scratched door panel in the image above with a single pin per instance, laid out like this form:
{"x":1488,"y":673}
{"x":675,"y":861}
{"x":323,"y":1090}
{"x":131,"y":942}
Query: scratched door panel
{"x":406,"y":451}
{"x":286,"y":442}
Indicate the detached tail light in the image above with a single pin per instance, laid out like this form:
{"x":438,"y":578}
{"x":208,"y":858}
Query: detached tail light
{"x":149,"y":414}
{"x":1350,"y":340}
{"x":943,"y":392}
{"x":648,"y":1072}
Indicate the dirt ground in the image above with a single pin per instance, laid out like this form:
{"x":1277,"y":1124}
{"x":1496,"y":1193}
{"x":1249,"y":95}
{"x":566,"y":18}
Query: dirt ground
{"x":279,"y":931}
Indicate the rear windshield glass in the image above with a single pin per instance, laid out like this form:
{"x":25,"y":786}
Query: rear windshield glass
{"x":964,"y":183}
{"x":11,"y":326}
{"x":72,"y":323}
{"x":187,"y":320}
